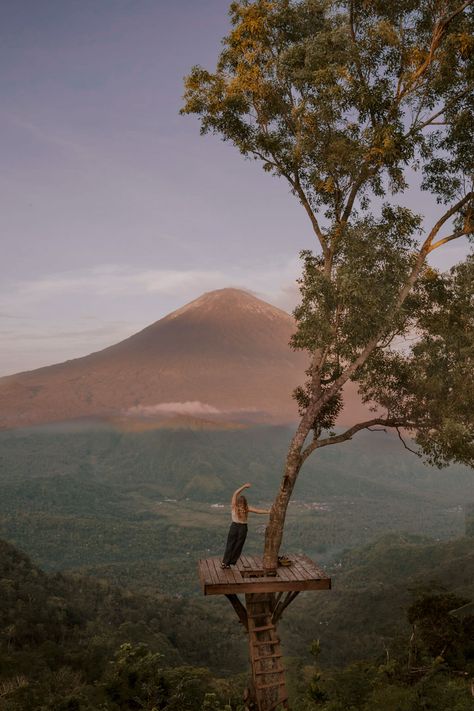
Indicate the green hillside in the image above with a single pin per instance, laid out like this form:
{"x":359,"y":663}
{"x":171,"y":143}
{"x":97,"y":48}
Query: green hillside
{"x":140,"y":508}
{"x":118,"y":521}
{"x":362,"y":616}
{"x":207,"y":465}
{"x":71,"y":643}
{"x":67,"y":629}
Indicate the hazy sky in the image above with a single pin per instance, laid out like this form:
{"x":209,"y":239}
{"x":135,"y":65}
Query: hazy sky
{"x":114,"y":210}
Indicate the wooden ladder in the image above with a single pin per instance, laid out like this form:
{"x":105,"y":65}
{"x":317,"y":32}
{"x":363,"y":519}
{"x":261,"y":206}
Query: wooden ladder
{"x":265,"y":653}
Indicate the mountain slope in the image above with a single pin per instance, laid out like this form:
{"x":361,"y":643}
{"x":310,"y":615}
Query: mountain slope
{"x":224,"y":354}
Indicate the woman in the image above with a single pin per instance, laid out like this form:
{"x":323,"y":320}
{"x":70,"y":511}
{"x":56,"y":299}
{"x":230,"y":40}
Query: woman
{"x":238,"y":527}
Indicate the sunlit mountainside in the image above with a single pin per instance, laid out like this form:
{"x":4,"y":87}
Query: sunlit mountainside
{"x":224,"y":356}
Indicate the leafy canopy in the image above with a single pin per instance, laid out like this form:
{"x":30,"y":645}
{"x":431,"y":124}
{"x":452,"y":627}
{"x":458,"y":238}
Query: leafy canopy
{"x":346,"y":101}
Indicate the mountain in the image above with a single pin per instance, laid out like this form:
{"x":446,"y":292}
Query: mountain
{"x":224,"y":356}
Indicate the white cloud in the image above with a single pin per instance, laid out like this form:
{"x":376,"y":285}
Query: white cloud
{"x":190,"y":407}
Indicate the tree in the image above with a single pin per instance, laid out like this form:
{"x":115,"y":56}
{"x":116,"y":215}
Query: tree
{"x":346,"y":101}
{"x":138,"y":679}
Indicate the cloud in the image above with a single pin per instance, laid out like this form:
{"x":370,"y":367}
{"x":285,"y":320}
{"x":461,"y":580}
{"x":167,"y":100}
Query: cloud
{"x":190,"y":407}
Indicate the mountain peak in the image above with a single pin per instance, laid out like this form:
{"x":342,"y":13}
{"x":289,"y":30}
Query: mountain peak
{"x":229,"y":300}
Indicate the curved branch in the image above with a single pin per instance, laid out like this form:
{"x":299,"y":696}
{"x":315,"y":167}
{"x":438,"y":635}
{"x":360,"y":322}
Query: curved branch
{"x":348,"y":434}
{"x":449,"y":238}
{"x":297,"y":187}
{"x":437,"y":36}
{"x":449,"y":104}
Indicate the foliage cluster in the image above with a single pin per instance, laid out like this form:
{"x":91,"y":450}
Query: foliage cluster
{"x":70,"y":643}
{"x":73,"y":644}
{"x":432,"y":668}
{"x":344,"y":100}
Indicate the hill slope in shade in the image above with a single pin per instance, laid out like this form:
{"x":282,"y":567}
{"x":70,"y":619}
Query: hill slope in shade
{"x":224,"y":355}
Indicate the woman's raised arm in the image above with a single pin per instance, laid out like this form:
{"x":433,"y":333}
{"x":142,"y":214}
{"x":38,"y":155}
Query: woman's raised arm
{"x":236,"y":493}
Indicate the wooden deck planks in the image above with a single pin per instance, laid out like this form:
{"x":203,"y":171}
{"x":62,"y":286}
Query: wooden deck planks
{"x":303,"y":574}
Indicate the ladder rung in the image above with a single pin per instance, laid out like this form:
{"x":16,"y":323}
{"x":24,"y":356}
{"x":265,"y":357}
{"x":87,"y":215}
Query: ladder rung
{"x":275,"y":655}
{"x":270,"y":686}
{"x":280,"y":670}
{"x":268,"y":641}
{"x":263,"y":628}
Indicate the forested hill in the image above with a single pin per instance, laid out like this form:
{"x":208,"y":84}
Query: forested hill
{"x":362,"y":615}
{"x":70,"y":643}
{"x":61,"y":633}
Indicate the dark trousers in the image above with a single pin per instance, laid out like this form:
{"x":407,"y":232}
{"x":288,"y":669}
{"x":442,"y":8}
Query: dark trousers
{"x":235,"y":543}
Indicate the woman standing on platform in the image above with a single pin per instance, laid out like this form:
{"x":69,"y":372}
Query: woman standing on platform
{"x":238,"y":528}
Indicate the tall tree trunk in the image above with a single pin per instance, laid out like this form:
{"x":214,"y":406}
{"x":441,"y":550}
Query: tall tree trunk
{"x":274,"y":530}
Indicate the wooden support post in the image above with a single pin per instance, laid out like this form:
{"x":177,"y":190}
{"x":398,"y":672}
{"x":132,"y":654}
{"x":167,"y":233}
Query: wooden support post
{"x":282,"y":605}
{"x":240,"y":609}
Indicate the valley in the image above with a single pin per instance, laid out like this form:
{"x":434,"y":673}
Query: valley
{"x":139,"y":509}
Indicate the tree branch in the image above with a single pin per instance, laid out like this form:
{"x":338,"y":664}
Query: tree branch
{"x":364,"y":175}
{"x":296,"y":184}
{"x":449,"y":238}
{"x":457,"y":11}
{"x":348,"y":434}
{"x":432,"y":118}
{"x":413,"y":451}
{"x":362,"y":79}
{"x":437,"y":36}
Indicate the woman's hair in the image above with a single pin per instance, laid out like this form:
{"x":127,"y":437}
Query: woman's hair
{"x":242,"y":505}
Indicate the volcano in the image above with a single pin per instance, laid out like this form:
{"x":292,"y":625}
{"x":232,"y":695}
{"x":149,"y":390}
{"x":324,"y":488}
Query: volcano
{"x":223,"y":355}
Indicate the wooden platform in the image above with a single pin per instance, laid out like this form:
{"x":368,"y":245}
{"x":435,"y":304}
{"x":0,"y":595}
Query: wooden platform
{"x":302,"y":574}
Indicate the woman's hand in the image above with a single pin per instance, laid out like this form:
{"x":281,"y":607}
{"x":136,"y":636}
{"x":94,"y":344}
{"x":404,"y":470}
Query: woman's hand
{"x":246,"y":486}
